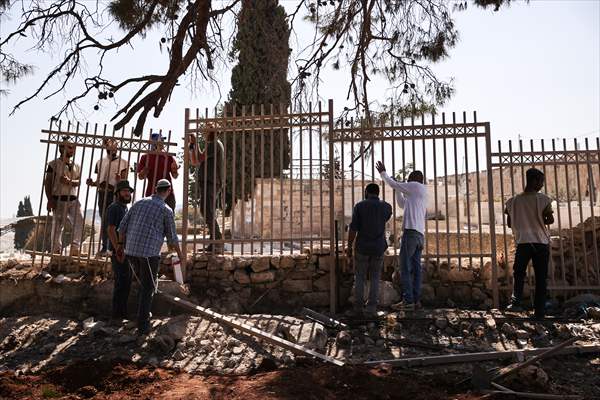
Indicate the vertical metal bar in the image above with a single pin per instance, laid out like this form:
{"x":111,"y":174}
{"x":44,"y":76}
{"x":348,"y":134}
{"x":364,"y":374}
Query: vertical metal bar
{"x":488,"y":149}
{"x":446,"y":196}
{"x":435,"y":194}
{"x":233,"y":171}
{"x":426,"y":241}
{"x":291,"y":207}
{"x":282,"y":132}
{"x":37,"y":224}
{"x":544,"y":162}
{"x":502,"y":202}
{"x":301,"y":186}
{"x":186,"y":184}
{"x":272,"y":173}
{"x":310,"y":171}
{"x":222,"y":193}
{"x":86,"y":199}
{"x":96,"y":198}
{"x":581,"y":218}
{"x":331,"y":165}
{"x":252,"y":183}
{"x":363,"y":154}
{"x":343,"y":185}
{"x":593,"y":217}
{"x":196,"y":195}
{"x":333,"y":270}
{"x":394,"y":211}
{"x":478,"y":183}
{"x":562,"y":251}
{"x":512,"y":189}
{"x":570,"y":214}
{"x":243,"y":184}
{"x":87,"y":190}
{"x":352,"y":158}
{"x":467,"y":190}
{"x":262,"y":171}
{"x":456,"y":184}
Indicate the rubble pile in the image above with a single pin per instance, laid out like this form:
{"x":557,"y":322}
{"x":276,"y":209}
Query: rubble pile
{"x":575,"y":250}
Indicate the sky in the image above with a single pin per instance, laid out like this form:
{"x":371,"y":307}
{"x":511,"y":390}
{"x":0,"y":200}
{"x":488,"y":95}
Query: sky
{"x":531,"y":70}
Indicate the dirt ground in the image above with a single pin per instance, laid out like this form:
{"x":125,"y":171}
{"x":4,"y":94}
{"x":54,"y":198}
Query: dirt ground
{"x":569,"y":375}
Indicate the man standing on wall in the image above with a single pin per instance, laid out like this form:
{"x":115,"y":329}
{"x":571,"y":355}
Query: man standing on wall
{"x":368,"y":228}
{"x":60,"y":185}
{"x":209,"y":180}
{"x":121,"y":271}
{"x":158,"y":165}
{"x":109,"y":170}
{"x":141,"y":235}
{"x":528,"y":214}
{"x":412,"y":197}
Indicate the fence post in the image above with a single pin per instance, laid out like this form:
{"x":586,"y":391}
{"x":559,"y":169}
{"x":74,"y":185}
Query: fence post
{"x":185,"y":194}
{"x":492,"y":217}
{"x":332,"y":235}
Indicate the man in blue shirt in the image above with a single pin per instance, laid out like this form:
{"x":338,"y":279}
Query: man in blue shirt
{"x":143,"y":230}
{"x":367,"y":229}
{"x":121,"y":271}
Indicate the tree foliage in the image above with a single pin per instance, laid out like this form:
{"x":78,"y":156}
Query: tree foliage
{"x":389,"y":39}
{"x":262,"y":50}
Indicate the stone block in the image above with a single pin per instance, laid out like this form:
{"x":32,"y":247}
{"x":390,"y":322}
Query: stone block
{"x":276,"y":262}
{"x":304,"y":285}
{"x":325,"y":263}
{"x":241,"y":276}
{"x":460,"y":275}
{"x":322,"y":283}
{"x":228,"y":264}
{"x":315,"y":299}
{"x":300,"y":274}
{"x":261,"y":264}
{"x":199,"y":265}
{"x":427,"y":294}
{"x":262,"y":277}
{"x":243,"y":262}
{"x":219,"y":275}
{"x":286,"y":262}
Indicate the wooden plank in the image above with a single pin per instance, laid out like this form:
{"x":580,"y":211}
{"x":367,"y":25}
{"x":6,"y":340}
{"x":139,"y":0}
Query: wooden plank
{"x":483,"y":356}
{"x":249,"y":329}
{"x":324,"y":319}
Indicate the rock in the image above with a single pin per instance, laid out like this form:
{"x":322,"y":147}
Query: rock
{"x":164,"y":342}
{"x":441,"y":322}
{"x":593,"y":313}
{"x":243,"y":262}
{"x":238,"y":350}
{"x":262,"y":277}
{"x":123,"y":339}
{"x":380,"y":343}
{"x":388,"y":295}
{"x":276,"y":262}
{"x":11,"y":262}
{"x":369,"y":341}
{"x":304,"y":285}
{"x":325,"y":263}
{"x":286,"y":262}
{"x":508,"y":330}
{"x":176,"y":327}
{"x":427,"y":294}
{"x":583,"y":299}
{"x":478,"y":295}
{"x":460,"y":275}
{"x":261,"y":264}
{"x":479,"y":330}
{"x":322,"y":283}
{"x":449,"y":331}
{"x":178,"y":355}
{"x":228,"y":264}
{"x":490,"y":322}
{"x":343,"y":339}
{"x":241,"y":276}
{"x":87,"y":391}
{"x":534,"y":374}
{"x":311,"y":335}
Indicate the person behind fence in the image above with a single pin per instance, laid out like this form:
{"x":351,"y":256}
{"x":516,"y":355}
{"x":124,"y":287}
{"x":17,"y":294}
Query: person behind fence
{"x":412,"y":197}
{"x":61,"y":185}
{"x":209,"y":180}
{"x":121,"y":271}
{"x":109,"y":170}
{"x":158,"y":165}
{"x":528,"y":215}
{"x":141,"y":234}
{"x":367,"y":229}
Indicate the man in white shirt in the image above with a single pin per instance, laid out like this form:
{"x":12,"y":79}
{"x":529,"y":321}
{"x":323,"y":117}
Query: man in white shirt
{"x":109,"y":170}
{"x":60,"y":185}
{"x":412,"y":197}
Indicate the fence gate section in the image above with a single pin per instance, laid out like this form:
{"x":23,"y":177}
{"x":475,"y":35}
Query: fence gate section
{"x":572,"y":171}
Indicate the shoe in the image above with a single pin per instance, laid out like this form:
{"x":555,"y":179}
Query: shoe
{"x":403,"y":306}
{"x":514,"y":307}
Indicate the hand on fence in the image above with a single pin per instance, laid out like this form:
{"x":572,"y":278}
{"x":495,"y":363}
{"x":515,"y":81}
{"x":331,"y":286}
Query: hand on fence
{"x":380,"y":167}
{"x":90,"y":182}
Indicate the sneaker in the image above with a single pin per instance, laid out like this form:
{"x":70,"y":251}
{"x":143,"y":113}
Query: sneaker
{"x":514,"y":307}
{"x":403,"y":306}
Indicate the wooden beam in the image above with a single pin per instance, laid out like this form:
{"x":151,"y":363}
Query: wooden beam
{"x":249,"y":329}
{"x":483,"y":356}
{"x":324,"y":319}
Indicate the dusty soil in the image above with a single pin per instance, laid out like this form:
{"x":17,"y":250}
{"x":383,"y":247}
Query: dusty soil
{"x":569,"y":375}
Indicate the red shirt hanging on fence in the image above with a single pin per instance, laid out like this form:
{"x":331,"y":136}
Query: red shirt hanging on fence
{"x":158,"y":167}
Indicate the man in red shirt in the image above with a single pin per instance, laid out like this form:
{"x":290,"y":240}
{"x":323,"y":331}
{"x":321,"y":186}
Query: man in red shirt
{"x":158,"y":165}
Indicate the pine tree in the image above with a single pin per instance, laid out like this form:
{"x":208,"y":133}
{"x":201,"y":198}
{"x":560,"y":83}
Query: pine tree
{"x":260,"y":77}
{"x":21,"y":210}
{"x":28,"y":209}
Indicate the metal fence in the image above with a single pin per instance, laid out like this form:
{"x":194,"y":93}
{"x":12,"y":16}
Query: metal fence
{"x":572,"y":171}
{"x":77,"y":220}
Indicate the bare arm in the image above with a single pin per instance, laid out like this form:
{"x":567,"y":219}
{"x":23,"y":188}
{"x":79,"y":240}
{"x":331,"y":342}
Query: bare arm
{"x":113,"y":236}
{"x":48,"y":189}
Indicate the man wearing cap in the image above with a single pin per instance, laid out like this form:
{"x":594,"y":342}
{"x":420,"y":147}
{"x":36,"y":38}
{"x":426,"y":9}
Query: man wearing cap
{"x":109,"y":170}
{"x":121,"y":271}
{"x":158,"y":165}
{"x":141,"y":235}
{"x":209,"y":179}
{"x":60,"y":185}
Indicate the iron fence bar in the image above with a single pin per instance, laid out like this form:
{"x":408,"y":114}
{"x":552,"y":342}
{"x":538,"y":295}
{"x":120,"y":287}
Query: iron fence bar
{"x":456,"y":185}
{"x":332,"y":236}
{"x":468,"y":202}
{"x":488,"y":150}
{"x":562,"y":252}
{"x":570,"y":218}
{"x":478,"y":185}
{"x":581,"y":219}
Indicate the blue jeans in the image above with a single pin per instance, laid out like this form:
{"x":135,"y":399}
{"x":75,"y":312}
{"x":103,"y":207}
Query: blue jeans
{"x":146,"y":268}
{"x":122,"y":277}
{"x":411,"y":248}
{"x":372,"y":265}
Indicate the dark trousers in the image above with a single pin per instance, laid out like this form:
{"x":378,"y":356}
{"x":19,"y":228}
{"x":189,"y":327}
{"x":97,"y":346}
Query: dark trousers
{"x":540,"y":255}
{"x":146,"y":269}
{"x":208,"y":208}
{"x":105,"y":199}
{"x":122,"y":277}
{"x":170,"y":200}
